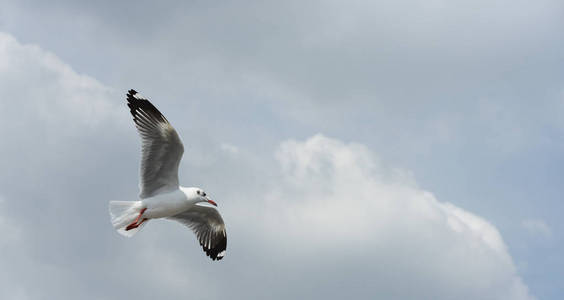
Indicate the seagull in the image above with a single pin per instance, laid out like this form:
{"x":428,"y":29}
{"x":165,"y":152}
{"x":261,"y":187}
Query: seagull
{"x":161,"y":196}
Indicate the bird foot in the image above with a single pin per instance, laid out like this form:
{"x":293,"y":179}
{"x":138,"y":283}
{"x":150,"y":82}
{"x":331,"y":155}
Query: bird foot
{"x":135,"y":223}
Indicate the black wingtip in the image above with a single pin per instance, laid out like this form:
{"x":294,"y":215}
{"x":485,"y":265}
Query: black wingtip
{"x":217,"y":252}
{"x":136,"y":102}
{"x":133,"y":95}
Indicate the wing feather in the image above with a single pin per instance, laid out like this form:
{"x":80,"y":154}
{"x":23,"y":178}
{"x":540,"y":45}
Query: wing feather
{"x":208,"y":226}
{"x":161,"y":147}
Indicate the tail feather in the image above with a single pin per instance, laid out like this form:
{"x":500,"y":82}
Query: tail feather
{"x":123,"y":213}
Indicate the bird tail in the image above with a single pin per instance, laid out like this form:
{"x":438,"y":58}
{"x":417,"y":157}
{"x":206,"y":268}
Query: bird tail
{"x":124,"y":213}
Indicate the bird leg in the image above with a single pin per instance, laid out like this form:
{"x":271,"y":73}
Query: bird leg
{"x":135,"y":224}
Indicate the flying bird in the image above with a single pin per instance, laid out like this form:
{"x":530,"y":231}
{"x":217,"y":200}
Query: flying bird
{"x":161,"y":196}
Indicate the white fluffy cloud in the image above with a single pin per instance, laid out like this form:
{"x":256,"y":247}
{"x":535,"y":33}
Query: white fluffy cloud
{"x":337,"y":201}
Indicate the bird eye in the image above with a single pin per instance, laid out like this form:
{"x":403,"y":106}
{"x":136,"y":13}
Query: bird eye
{"x":198,"y":192}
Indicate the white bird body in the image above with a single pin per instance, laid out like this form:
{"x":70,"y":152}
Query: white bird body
{"x":168,"y":204}
{"x":161,"y":196}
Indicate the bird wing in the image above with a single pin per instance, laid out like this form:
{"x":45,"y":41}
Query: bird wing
{"x":207,"y":224}
{"x":161,"y":147}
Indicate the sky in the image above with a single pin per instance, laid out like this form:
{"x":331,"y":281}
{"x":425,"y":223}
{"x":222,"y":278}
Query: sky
{"x":369,"y":149}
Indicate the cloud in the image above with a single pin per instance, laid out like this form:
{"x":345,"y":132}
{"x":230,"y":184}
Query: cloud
{"x":537,"y":227}
{"x":466,"y":94}
{"x":325,"y":219}
{"x":338,"y":203}
{"x":55,"y":126}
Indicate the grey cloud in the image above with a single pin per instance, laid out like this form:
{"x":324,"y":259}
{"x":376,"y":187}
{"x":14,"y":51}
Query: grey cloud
{"x":466,"y":94}
{"x":65,"y":247}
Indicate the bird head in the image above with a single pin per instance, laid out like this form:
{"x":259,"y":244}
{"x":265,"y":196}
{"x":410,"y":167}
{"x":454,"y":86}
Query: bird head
{"x":202,"y":197}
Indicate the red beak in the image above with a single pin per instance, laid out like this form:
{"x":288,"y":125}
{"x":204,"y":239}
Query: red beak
{"x":212,"y":202}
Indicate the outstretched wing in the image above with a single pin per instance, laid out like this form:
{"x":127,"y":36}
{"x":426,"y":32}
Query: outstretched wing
{"x":207,"y":224}
{"x":161,"y":148}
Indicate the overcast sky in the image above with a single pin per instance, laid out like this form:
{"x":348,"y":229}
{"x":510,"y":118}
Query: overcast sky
{"x":369,"y":149}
